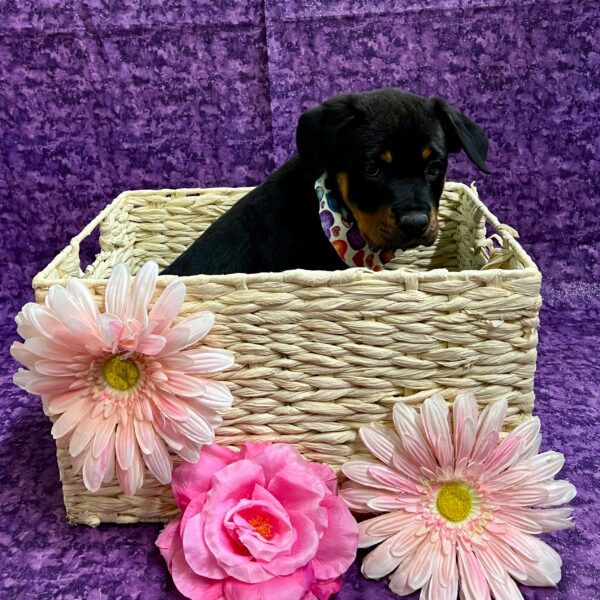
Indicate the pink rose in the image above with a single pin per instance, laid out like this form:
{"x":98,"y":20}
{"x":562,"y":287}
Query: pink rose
{"x":261,"y":524}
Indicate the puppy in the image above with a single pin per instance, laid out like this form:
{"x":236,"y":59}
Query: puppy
{"x":386,"y":155}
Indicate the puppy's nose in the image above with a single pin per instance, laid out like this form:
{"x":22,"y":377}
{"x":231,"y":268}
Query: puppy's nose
{"x":414,"y":223}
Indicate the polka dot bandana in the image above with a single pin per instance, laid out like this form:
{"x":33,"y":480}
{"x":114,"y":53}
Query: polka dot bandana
{"x":342,"y":231}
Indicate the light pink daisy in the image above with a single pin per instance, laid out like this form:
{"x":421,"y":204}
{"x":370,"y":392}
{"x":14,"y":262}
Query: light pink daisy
{"x":460,"y":506}
{"x":126,"y":383}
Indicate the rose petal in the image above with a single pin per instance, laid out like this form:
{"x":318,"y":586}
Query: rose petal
{"x":337,"y":546}
{"x":167,"y":539}
{"x":198,"y":554}
{"x":190,"y":479}
{"x":290,"y":587}
{"x":191,"y":585}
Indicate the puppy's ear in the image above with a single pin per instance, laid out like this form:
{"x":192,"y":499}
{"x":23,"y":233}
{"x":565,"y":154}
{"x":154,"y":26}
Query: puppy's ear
{"x":319,"y":131}
{"x":462,"y":134}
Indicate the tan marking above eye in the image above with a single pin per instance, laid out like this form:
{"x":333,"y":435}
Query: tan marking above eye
{"x":426,"y":153}
{"x":386,"y":157}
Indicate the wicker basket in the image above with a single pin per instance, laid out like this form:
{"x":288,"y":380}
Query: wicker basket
{"x":320,"y":354}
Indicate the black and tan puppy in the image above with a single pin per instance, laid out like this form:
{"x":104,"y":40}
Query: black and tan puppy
{"x":386,"y":153}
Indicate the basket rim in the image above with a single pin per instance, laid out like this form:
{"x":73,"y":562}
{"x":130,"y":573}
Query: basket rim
{"x":309,"y":278}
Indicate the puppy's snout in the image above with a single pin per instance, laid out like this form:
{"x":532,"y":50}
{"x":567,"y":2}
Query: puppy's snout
{"x":414,"y":223}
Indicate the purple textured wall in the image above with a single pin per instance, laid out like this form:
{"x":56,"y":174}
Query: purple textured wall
{"x":98,"y":97}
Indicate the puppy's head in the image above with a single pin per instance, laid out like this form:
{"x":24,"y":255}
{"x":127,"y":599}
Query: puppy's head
{"x":386,"y":153}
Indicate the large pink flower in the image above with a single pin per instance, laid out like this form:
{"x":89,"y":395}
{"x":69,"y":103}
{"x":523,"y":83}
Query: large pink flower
{"x":122,"y":381}
{"x":458,"y":504}
{"x":261,"y":523}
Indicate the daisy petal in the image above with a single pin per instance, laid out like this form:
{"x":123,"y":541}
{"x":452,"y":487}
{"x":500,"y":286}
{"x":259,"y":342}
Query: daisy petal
{"x":63,"y":306}
{"x":385,"y":525}
{"x":381,"y":562}
{"x":182,"y":385}
{"x":167,"y":306}
{"x":472,"y":577}
{"x":70,"y":419}
{"x":109,"y":474}
{"x":22,"y":355}
{"x":384,"y":503}
{"x":159,"y":461}
{"x":415,"y":570}
{"x":143,"y":288}
{"x":125,"y":444}
{"x":434,"y":416}
{"x":43,"y":320}
{"x":188,"y":332}
{"x":82,"y":295}
{"x":46,"y":348}
{"x":105,"y":430}
{"x":488,"y":430}
{"x":171,"y":409}
{"x":82,"y":435}
{"x":117,"y":290}
{"x":356,"y":496}
{"x":543,"y":466}
{"x":421,"y":563}
{"x":505,"y":454}
{"x":216,"y":395}
{"x":359,"y":471}
{"x":132,"y":479}
{"x":145,"y":435}
{"x":412,"y":435}
{"x":189,"y":452}
{"x":520,"y":518}
{"x":94,"y":470}
{"x":59,"y":403}
{"x":529,"y":432}
{"x":545,"y":571}
{"x":196,"y":428}
{"x":552,"y":519}
{"x":381,"y":444}
{"x":500,"y":584}
{"x":209,"y":360}
{"x":464,"y":415}
{"x":389,"y":479}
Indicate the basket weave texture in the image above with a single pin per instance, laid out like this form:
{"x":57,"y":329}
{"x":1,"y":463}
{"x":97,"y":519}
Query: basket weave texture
{"x":320,"y":354}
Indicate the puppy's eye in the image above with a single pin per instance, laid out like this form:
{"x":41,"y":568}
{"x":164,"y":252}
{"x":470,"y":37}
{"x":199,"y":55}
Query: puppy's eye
{"x":434,"y":169}
{"x":371,"y":169}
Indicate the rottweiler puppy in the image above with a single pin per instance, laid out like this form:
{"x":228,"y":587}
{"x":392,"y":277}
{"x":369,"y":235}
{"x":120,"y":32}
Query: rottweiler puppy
{"x":386,"y":155}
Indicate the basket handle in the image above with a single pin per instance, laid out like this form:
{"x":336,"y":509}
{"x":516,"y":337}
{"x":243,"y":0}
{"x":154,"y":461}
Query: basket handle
{"x":67,"y":263}
{"x":496,"y":248}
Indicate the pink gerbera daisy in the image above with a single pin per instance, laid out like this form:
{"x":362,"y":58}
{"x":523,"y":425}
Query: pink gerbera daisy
{"x":123,"y":384}
{"x":460,"y":506}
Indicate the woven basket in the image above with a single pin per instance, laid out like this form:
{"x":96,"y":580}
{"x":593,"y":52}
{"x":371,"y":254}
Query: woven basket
{"x":319,"y":354}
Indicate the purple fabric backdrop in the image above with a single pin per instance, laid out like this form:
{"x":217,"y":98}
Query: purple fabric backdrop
{"x":99,"y":97}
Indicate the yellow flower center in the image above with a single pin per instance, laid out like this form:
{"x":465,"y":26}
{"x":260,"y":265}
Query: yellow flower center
{"x":454,"y":501}
{"x":262,"y":526}
{"x":121,"y":373}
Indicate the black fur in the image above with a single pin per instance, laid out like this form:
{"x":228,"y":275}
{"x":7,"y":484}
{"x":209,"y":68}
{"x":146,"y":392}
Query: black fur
{"x":276,"y":227}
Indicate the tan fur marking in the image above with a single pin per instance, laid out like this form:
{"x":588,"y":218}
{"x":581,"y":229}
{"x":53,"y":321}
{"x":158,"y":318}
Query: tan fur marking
{"x":342,"y":181}
{"x":387,"y":157}
{"x":371,"y":225}
{"x":433,"y":218}
{"x":426,"y":153}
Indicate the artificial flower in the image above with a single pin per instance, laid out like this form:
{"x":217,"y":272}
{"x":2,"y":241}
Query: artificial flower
{"x":261,"y":523}
{"x":124,"y":386}
{"x":460,"y":507}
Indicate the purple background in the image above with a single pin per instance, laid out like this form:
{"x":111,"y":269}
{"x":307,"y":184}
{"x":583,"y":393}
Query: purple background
{"x":96,"y":99}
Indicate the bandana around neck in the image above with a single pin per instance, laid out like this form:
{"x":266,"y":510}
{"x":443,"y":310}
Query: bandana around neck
{"x":342,"y":231}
